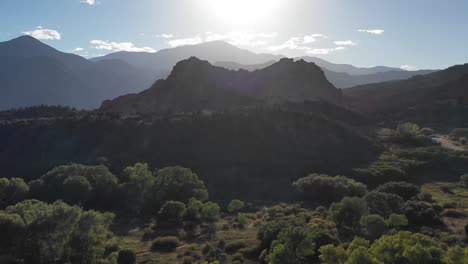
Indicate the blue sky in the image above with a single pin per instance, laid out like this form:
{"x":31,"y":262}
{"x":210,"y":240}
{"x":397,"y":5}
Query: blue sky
{"x":417,"y":33}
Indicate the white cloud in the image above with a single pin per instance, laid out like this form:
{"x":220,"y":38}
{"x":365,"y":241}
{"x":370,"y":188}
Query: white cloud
{"x":185,"y":41}
{"x":297,"y":43}
{"x":166,"y":36}
{"x":372,"y":31}
{"x":242,"y":38}
{"x":77,"y":49}
{"x":292,"y":43}
{"x":345,"y":43}
{"x":324,"y":51}
{"x":409,"y":68}
{"x":312,"y":38}
{"x":118,"y":46}
{"x":43,"y":33}
{"x":89,"y":2}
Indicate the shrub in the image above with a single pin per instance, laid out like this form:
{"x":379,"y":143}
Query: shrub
{"x":397,"y":221}
{"x":12,"y":191}
{"x":403,"y":189}
{"x":210,"y":211}
{"x":421,"y":213}
{"x":165,"y":244}
{"x":327,"y":188}
{"x":348,"y":212}
{"x":464,"y":180}
{"x":172,"y":213}
{"x":459,"y":133}
{"x":179,"y":184}
{"x":234,"y":246}
{"x":126,"y":257}
{"x":410,"y":134}
{"x":235,"y":206}
{"x":374,"y":225}
{"x":424,"y":196}
{"x":384,"y":204}
{"x":454,"y":213}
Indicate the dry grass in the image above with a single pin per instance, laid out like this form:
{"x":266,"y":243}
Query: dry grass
{"x":144,"y":255}
{"x":456,"y":195}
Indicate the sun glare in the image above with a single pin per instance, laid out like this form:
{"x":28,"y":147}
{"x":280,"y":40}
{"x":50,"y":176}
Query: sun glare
{"x":243,"y":12}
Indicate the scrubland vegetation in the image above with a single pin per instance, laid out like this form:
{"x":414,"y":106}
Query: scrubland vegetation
{"x":409,"y":204}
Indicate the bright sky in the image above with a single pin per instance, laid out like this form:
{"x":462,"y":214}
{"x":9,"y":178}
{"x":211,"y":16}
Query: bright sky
{"x":413,"y":33}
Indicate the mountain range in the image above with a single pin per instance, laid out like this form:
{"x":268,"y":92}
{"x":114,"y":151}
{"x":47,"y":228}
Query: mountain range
{"x":439,"y":99}
{"x":195,"y":84}
{"x":33,"y":73}
{"x":223,"y":54}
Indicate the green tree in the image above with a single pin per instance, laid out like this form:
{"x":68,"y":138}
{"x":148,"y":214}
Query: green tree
{"x":172,"y":213}
{"x":403,"y":189}
{"x":361,"y":255}
{"x":456,"y":255}
{"x":139,"y":188}
{"x":327,"y":188}
{"x":348,"y":212}
{"x":397,"y":221}
{"x":384,"y":204}
{"x":76,"y":189}
{"x":12,"y":191}
{"x":373,"y":225}
{"x":67,"y":182}
{"x":194,"y":210}
{"x":330,"y":254}
{"x":406,"y":247}
{"x":37,"y":232}
{"x":235,"y":206}
{"x":210,"y":211}
{"x":179,"y":184}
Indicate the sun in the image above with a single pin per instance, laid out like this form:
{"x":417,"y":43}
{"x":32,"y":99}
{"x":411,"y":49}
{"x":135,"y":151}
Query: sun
{"x":243,"y":12}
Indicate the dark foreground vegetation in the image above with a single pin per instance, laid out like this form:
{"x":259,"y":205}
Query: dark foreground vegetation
{"x":300,"y":183}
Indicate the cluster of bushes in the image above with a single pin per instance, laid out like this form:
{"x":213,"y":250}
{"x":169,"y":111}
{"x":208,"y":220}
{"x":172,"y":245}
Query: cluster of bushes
{"x":410,"y":134}
{"x":137,"y":191}
{"x":402,"y":247}
{"x":321,"y":187}
{"x":12,"y":191}
{"x":459,"y":133}
{"x":416,"y":164}
{"x":37,"y":232}
{"x":293,"y":235}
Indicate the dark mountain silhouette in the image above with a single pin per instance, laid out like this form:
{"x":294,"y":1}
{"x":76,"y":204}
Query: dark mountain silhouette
{"x":197,"y":85}
{"x":439,"y":99}
{"x":225,"y":55}
{"x":34,"y":73}
{"x":339,"y":79}
{"x":164,"y":60}
{"x":347,"y":68}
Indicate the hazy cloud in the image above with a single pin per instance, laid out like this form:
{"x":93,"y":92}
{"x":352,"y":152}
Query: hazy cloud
{"x":242,"y":38}
{"x":372,"y":31}
{"x":312,"y":38}
{"x":185,"y":41}
{"x":409,"y":68}
{"x":77,"y":49}
{"x":297,"y":43}
{"x":166,"y":36}
{"x":237,"y":38}
{"x":43,"y":33}
{"x":324,"y":51}
{"x":89,"y":2}
{"x":118,"y":46}
{"x":345,"y":43}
